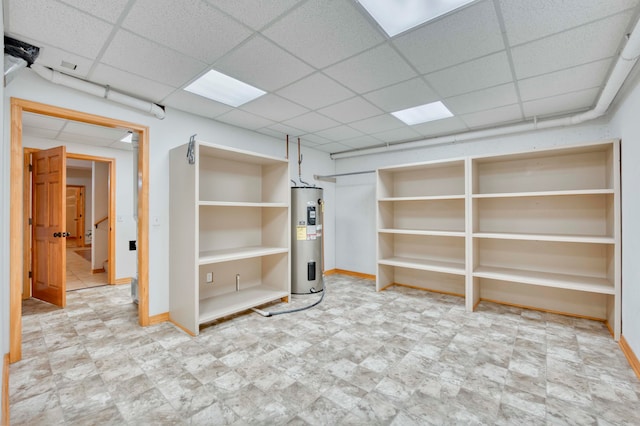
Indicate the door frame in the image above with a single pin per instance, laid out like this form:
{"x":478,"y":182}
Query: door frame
{"x":27,"y":237}
{"x":16,"y":249}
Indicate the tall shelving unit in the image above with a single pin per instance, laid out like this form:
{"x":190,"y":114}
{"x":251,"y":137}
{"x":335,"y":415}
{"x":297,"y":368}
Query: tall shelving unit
{"x":546,"y":230}
{"x":229,"y":234}
{"x":421,"y":226}
{"x":537,"y":229}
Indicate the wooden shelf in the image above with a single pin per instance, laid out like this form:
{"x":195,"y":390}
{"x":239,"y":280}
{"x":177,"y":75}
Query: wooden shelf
{"x":433,"y":233}
{"x":545,"y":193}
{"x":544,"y":237}
{"x":227,"y":304}
{"x":538,"y":228}
{"x":569,"y":282}
{"x":426,"y":198}
{"x":425,"y":264}
{"x":230,"y":218}
{"x":216,"y":256}
{"x":241,"y":204}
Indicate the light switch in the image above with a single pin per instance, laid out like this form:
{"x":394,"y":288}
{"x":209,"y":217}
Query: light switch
{"x":155,"y":221}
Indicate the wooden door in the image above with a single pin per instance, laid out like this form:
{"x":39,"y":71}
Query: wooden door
{"x":49,"y":222}
{"x":75,"y":215}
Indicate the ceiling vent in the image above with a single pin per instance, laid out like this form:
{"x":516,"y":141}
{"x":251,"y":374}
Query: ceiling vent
{"x":17,"y":55}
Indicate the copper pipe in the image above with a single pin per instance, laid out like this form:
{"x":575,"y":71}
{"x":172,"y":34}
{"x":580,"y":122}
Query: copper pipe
{"x":299,"y":159}
{"x":287,"y":155}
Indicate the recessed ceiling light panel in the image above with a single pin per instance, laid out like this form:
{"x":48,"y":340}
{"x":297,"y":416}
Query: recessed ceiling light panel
{"x":423,"y":113}
{"x":397,"y":16}
{"x":222,"y":88}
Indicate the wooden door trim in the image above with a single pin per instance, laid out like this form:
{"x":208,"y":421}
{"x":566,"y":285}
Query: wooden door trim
{"x":16,"y":255}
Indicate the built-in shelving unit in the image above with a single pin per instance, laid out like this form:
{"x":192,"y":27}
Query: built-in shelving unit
{"x":421,"y":226}
{"x":229,"y":221}
{"x":538,"y":229}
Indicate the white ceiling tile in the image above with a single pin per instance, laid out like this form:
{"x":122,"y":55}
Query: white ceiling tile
{"x":332,"y":147}
{"x":505,"y":114}
{"x":274,"y":108}
{"x":287,"y":130}
{"x":270,"y":132}
{"x":402,"y":134}
{"x":244,"y":119}
{"x":109,"y":10}
{"x":92,"y":131}
{"x":565,"y":81}
{"x":578,"y":46}
{"x":254,"y":13}
{"x":561,"y":104}
{"x":441,"y":127}
{"x":469,"y":33}
{"x":261,"y":63}
{"x":83,"y":139}
{"x":35,"y":132}
{"x":339,"y":133}
{"x":124,"y":146}
{"x":39,"y":121}
{"x":134,"y":54}
{"x":199,"y":31}
{"x":323,"y":33}
{"x":480,"y":73}
{"x":373,"y":69}
{"x":362,"y":142}
{"x":311,"y":122}
{"x":315,"y":91}
{"x":125,"y":82}
{"x":312,"y":139}
{"x":532,"y":19}
{"x":492,"y":97}
{"x":377,"y":124}
{"x":403,"y":95}
{"x":186,"y":101}
{"x":52,"y":57}
{"x":350,"y":110}
{"x":83,"y":34}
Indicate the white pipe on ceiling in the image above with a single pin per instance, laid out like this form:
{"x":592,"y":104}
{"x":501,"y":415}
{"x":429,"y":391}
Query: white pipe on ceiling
{"x":621,"y":70}
{"x":98,"y":90}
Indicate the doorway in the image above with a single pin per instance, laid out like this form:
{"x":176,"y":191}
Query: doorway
{"x":18,"y":106}
{"x":90,"y":200}
{"x":76,"y":212}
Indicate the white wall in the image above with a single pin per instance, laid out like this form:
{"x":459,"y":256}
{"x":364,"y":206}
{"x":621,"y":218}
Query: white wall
{"x":165,"y":134}
{"x":5,"y":154}
{"x":125,"y":228}
{"x":356,"y":211}
{"x":625,"y":124}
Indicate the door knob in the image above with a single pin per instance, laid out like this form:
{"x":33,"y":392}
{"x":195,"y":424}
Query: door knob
{"x":66,"y":234}
{"x":57,"y":234}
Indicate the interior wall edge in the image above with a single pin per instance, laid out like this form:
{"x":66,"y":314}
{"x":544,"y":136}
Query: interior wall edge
{"x":630,"y":355}
{"x":5,"y":390}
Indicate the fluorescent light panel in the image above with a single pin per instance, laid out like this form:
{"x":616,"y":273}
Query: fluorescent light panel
{"x":423,"y":113}
{"x":397,"y":16}
{"x":222,"y":88}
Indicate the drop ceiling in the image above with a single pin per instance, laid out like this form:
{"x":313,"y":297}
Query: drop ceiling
{"x":332,"y":76}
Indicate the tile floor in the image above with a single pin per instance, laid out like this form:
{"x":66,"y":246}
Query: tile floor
{"x":400,"y":357}
{"x":79,"y":272}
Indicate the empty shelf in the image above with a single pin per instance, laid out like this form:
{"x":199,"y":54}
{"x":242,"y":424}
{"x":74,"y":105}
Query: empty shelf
{"x":227,"y":304}
{"x":425,"y":264}
{"x":547,"y":279}
{"x":216,"y":256}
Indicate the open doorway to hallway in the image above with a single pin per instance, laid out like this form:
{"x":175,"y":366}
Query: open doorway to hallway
{"x":17,"y":253}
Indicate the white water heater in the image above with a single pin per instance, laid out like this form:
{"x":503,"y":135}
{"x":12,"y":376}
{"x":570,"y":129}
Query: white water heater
{"x":306,"y":240}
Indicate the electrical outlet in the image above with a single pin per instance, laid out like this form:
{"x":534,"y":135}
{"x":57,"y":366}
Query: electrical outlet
{"x":209,"y":277}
